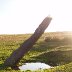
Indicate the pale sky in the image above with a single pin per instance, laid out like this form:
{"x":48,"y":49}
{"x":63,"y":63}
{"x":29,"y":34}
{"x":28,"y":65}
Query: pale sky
{"x":24,"y":16}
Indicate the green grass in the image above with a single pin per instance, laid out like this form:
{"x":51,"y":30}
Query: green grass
{"x":54,"y":49}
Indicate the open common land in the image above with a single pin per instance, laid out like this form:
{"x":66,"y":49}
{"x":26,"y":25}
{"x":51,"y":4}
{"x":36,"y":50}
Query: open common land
{"x":53,"y":48}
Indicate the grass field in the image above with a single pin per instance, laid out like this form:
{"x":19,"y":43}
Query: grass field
{"x":53,"y":48}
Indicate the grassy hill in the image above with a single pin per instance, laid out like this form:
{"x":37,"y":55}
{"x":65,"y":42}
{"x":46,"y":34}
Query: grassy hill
{"x":53,"y":48}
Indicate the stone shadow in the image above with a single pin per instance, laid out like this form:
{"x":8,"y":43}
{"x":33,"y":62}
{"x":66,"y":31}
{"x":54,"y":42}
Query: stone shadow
{"x":54,"y":58}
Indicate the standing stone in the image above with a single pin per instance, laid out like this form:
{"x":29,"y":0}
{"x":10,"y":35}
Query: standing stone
{"x":16,"y":56}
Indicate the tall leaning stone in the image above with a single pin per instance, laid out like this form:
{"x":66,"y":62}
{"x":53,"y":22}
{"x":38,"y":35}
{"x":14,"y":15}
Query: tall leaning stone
{"x":16,"y":56}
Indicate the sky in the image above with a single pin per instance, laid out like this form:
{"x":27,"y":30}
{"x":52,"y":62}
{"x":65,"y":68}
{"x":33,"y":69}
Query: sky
{"x":24,"y":16}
